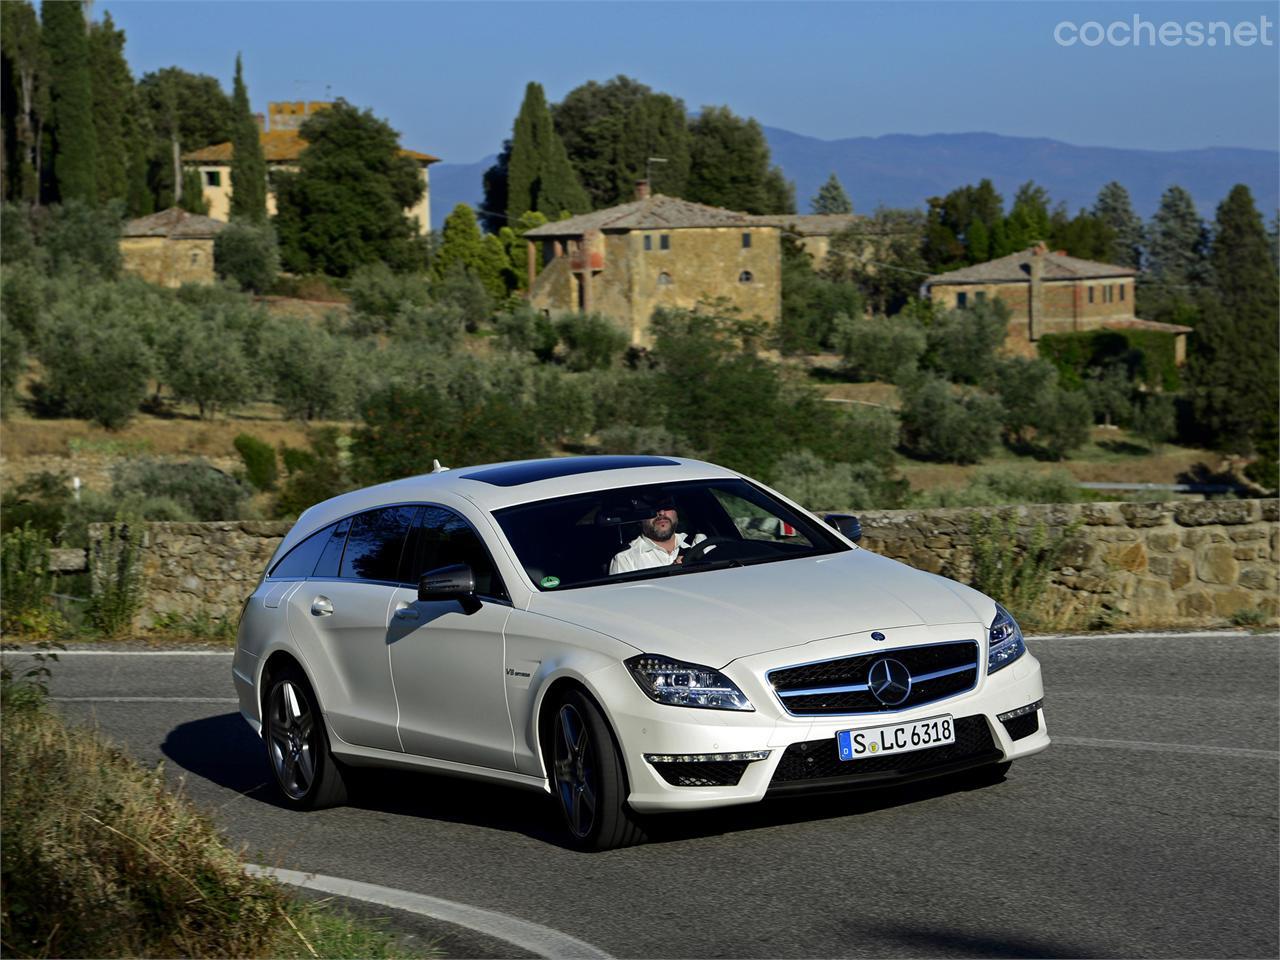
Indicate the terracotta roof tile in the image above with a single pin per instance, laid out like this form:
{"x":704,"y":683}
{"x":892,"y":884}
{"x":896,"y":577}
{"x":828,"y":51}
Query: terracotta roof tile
{"x":278,"y":146}
{"x":658,"y":212}
{"x":1016,"y":267}
{"x":174,"y":223}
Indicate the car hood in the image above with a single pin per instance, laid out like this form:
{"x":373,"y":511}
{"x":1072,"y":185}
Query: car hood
{"x":717,"y":616}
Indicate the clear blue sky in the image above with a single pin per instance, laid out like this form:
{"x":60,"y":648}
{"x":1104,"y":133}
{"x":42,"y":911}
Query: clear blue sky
{"x":450,"y":75}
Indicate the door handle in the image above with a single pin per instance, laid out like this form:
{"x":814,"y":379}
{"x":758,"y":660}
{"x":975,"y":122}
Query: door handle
{"x":321,"y":607}
{"x":406,"y":613}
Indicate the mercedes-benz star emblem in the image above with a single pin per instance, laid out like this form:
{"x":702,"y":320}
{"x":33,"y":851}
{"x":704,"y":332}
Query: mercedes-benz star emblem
{"x":890,"y":682}
{"x":877,"y":635}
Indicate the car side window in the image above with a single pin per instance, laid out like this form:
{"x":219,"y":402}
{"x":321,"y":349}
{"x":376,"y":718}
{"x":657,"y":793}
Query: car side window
{"x":331,"y":556}
{"x":755,"y":522}
{"x":375,"y":543}
{"x":444,"y":538}
{"x":301,"y":560}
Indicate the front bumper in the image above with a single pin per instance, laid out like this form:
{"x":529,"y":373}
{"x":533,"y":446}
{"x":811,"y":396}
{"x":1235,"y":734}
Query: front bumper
{"x":645,"y":728}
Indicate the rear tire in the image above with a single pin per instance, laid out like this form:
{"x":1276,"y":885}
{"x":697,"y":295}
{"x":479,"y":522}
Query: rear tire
{"x":588,"y":778}
{"x":293,"y":728}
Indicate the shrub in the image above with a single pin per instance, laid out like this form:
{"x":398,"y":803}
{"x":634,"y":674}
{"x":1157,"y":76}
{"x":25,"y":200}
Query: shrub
{"x":818,"y":484}
{"x":25,"y":296}
{"x":310,"y":372}
{"x":206,"y":492}
{"x":25,"y":581}
{"x":204,"y":362}
{"x":259,"y":461}
{"x":1155,"y":419}
{"x":313,"y":475}
{"x":17,"y":239}
{"x":591,"y":341}
{"x":96,"y":368}
{"x":876,"y":348}
{"x":1110,"y":393}
{"x":77,"y":235}
{"x":1148,"y":357}
{"x":1015,"y":570}
{"x":963,"y":344}
{"x":115,"y":573}
{"x":1062,"y":420}
{"x":460,"y":289}
{"x":651,"y":441}
{"x":247,"y":254}
{"x":940,"y":424}
{"x":438,"y":326}
{"x":812,"y":304}
{"x":13,"y":362}
{"x":1000,"y":486}
{"x":377,"y":295}
{"x":526,"y":330}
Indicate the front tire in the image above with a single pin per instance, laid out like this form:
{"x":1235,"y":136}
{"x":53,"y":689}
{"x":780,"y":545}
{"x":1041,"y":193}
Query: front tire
{"x":306,"y":772}
{"x":588,"y":777}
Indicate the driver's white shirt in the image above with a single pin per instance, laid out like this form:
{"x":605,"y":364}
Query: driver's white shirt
{"x":643,"y":553}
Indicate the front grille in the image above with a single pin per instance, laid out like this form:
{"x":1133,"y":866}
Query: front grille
{"x":1023,"y":726}
{"x":715,"y":773}
{"x":844,"y":682}
{"x":814,"y":761}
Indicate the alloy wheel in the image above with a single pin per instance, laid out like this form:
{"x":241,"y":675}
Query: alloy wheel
{"x":293,"y":743}
{"x":575,"y":771}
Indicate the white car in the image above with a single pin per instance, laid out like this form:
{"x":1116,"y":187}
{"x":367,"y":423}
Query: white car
{"x":466,"y":622}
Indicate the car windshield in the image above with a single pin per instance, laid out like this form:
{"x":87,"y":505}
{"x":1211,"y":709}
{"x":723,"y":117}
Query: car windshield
{"x":661,"y":530}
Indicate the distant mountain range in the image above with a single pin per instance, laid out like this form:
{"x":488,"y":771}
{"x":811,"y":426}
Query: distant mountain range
{"x":902,"y":170}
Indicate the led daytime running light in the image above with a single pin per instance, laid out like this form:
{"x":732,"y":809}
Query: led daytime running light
{"x":706,"y":757}
{"x":679,"y":684}
{"x":1021,"y":711}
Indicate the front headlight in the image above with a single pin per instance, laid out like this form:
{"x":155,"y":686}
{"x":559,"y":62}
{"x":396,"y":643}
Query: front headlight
{"x":1005,"y":643}
{"x":686,"y":684}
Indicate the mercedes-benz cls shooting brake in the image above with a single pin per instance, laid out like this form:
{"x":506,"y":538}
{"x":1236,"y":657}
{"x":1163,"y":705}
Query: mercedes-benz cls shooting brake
{"x":629,"y":634}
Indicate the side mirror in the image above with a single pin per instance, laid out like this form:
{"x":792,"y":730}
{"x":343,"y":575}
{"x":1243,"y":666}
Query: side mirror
{"x":455,"y":582}
{"x":846,"y":523}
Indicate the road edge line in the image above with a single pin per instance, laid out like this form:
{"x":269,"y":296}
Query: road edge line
{"x":543,"y":941}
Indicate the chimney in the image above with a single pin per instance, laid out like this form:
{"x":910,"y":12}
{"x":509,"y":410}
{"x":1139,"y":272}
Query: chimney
{"x":642,"y":189}
{"x":1035,"y":298}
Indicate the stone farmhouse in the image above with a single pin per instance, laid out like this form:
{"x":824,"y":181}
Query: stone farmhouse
{"x":282,"y":144}
{"x":170,"y":248}
{"x":1050,"y":292}
{"x":656,"y":251}
{"x":813,"y":231}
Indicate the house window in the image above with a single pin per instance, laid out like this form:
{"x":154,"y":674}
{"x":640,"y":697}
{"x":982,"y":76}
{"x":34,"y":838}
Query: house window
{"x":664,"y":242}
{"x":745,"y":277}
{"x":980,"y":296}
{"x":648,"y":242}
{"x":1091,"y":294}
{"x":962,"y":300}
{"x":213,"y":178}
{"x":1122,"y":293}
{"x":664,"y":279}
{"x":746,"y":241}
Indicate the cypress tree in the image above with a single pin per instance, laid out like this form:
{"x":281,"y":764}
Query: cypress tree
{"x":112,"y":99}
{"x":248,"y":165}
{"x":74,"y":138}
{"x":26,"y":99}
{"x":1235,"y":369}
{"x":1114,"y":209}
{"x":831,"y":198}
{"x":539,"y":175}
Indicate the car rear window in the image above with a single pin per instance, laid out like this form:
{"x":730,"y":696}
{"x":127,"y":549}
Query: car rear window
{"x":301,"y":560}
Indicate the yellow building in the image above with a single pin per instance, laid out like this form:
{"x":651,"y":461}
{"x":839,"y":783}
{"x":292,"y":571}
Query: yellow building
{"x":657,"y":251}
{"x":170,"y":248}
{"x":813,"y":231}
{"x":282,"y":145}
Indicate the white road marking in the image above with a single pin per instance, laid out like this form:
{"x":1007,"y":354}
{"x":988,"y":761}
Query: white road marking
{"x":1156,"y":747}
{"x":144,"y":699}
{"x":537,"y":939}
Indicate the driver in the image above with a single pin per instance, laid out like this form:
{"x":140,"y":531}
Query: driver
{"x":658,"y":544}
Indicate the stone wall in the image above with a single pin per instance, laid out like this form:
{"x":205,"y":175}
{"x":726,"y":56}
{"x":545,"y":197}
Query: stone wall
{"x":199,"y":568}
{"x":167,"y":262}
{"x":1184,"y":564}
{"x":1175,"y":564}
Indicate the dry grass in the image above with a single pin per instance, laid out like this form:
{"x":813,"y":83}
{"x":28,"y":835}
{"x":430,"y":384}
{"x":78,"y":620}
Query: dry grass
{"x":180,"y":435}
{"x":101,"y":859}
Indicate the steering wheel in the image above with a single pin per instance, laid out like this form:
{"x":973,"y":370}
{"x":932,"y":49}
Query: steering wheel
{"x":698,"y":553}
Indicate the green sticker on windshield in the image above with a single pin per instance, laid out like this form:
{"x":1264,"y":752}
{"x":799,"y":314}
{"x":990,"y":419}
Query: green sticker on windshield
{"x":550,"y":582}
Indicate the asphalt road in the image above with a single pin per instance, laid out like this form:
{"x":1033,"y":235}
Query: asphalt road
{"x":1148,"y":829}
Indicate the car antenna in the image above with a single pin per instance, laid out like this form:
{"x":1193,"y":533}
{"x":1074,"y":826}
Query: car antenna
{"x":436,"y":468}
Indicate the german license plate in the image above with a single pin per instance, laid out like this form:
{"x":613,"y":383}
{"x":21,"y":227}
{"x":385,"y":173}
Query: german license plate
{"x":895,"y":738}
